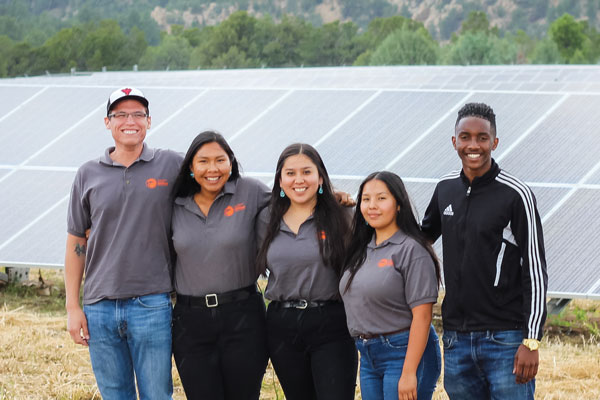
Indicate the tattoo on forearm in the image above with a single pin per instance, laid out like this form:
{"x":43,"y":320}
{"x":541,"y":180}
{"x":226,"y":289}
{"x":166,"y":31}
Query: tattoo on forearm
{"x":80,"y":249}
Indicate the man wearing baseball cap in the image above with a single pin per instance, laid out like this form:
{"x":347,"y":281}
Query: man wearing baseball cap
{"x":122,"y":199}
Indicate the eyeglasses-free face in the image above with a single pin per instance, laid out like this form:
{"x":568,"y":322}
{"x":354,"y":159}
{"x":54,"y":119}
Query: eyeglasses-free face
{"x":300,"y":180}
{"x":379,"y":208}
{"x":211,"y":167}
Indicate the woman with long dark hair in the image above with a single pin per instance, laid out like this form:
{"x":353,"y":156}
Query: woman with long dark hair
{"x":219,"y":338}
{"x":304,"y":233}
{"x":389,"y":286}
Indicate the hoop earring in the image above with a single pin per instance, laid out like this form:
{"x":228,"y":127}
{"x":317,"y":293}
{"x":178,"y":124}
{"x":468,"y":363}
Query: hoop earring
{"x":282,"y":194}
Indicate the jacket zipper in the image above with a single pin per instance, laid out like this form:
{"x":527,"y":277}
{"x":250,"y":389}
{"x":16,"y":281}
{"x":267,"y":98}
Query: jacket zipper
{"x":464,"y":324}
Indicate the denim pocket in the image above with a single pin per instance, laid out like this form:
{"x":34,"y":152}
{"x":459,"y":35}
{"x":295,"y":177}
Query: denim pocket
{"x":154,"y":300}
{"x":507,"y":338}
{"x":397,"y":342}
{"x":449,"y":339}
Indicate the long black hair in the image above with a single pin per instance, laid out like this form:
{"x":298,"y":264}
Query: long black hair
{"x":405,"y":219}
{"x":185,"y":185}
{"x":330,"y":217}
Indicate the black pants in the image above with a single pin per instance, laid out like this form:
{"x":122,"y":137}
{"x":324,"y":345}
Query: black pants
{"x":312,"y":352}
{"x":221,"y":352}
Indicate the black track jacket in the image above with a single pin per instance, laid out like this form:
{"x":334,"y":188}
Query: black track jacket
{"x":493,"y":257}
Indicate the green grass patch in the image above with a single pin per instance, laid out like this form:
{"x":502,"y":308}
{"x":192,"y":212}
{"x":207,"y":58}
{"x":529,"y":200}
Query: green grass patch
{"x":43,"y":293}
{"x":580,"y":318}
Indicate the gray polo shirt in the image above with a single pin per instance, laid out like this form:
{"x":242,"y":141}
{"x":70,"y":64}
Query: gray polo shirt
{"x":216,"y":253}
{"x":129,"y":213}
{"x":397,"y":275}
{"x":296,"y":269}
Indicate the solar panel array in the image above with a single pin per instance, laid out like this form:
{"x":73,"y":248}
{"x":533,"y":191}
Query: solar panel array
{"x":360,"y":120}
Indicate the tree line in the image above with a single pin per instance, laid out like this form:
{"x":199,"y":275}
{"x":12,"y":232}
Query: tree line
{"x":244,"y":41}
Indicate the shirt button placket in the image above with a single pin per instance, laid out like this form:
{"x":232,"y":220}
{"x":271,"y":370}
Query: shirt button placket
{"x":126,"y":178}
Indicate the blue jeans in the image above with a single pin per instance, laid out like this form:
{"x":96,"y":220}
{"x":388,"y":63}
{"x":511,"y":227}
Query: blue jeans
{"x":130,"y":339}
{"x":381,"y":362}
{"x":479,"y":365}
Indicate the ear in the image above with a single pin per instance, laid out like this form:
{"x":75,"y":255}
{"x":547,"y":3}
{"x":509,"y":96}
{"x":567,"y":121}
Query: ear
{"x":495,"y":143}
{"x":149,"y":122}
{"x":320,"y":180}
{"x":454,"y":142}
{"x":107,"y":122}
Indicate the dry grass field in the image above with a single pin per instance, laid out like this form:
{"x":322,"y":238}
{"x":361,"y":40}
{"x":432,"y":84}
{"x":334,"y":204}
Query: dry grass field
{"x":39,"y":361}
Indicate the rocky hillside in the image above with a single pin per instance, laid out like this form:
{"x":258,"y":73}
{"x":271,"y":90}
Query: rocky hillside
{"x":441,"y":17}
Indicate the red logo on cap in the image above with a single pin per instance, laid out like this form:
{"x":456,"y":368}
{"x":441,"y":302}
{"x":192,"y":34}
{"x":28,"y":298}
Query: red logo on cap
{"x":126,"y":91}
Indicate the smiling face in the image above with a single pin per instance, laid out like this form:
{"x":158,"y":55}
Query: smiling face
{"x":379,"y":208}
{"x":300,"y":180}
{"x":211,"y":167}
{"x":128,"y":133}
{"x":474,"y":142}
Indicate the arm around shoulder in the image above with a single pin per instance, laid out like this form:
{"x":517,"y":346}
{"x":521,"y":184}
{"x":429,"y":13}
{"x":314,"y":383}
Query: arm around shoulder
{"x":431,"y":225}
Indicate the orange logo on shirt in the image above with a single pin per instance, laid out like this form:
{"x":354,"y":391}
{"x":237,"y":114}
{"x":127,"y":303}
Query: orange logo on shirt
{"x":230,"y":210}
{"x":153,"y":183}
{"x":323,"y":235}
{"x":385,"y":262}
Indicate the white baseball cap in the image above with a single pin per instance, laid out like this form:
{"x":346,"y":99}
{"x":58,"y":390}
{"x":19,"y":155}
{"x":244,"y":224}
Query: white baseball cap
{"x":125,"y":93}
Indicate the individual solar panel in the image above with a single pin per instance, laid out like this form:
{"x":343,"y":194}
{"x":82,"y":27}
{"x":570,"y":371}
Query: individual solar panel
{"x":26,"y":196}
{"x":13,"y":97}
{"x":43,"y":242}
{"x":41,"y":121}
{"x":226,"y":111}
{"x":383,"y":129}
{"x":594,"y":179}
{"x":558,"y":149}
{"x":304,"y":116}
{"x":572,"y":244}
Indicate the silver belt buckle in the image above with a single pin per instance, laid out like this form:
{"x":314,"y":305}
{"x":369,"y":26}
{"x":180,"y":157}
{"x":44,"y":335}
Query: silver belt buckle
{"x":303,"y":304}
{"x":211,"y":296}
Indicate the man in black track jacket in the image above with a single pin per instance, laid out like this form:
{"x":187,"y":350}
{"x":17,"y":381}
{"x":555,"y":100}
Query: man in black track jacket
{"x":494,"y":268}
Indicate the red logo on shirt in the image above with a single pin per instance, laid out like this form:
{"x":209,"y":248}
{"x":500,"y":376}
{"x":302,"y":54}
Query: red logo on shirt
{"x":385,"y":262}
{"x":230,"y":210}
{"x":152,"y":183}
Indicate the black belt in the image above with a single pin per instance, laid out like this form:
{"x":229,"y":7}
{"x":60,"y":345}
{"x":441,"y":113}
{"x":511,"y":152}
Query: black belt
{"x":367,"y":336}
{"x":214,"y":299}
{"x":302,"y":304}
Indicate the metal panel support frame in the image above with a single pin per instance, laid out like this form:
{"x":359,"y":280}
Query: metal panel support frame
{"x":556,"y":305}
{"x":17,"y":274}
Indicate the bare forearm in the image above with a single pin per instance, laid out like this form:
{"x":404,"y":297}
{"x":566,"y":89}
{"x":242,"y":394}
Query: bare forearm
{"x":74,"y":266}
{"x":417,"y":339}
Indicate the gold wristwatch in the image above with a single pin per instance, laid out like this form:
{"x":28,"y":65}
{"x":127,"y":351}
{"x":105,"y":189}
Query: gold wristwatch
{"x":531,"y":344}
